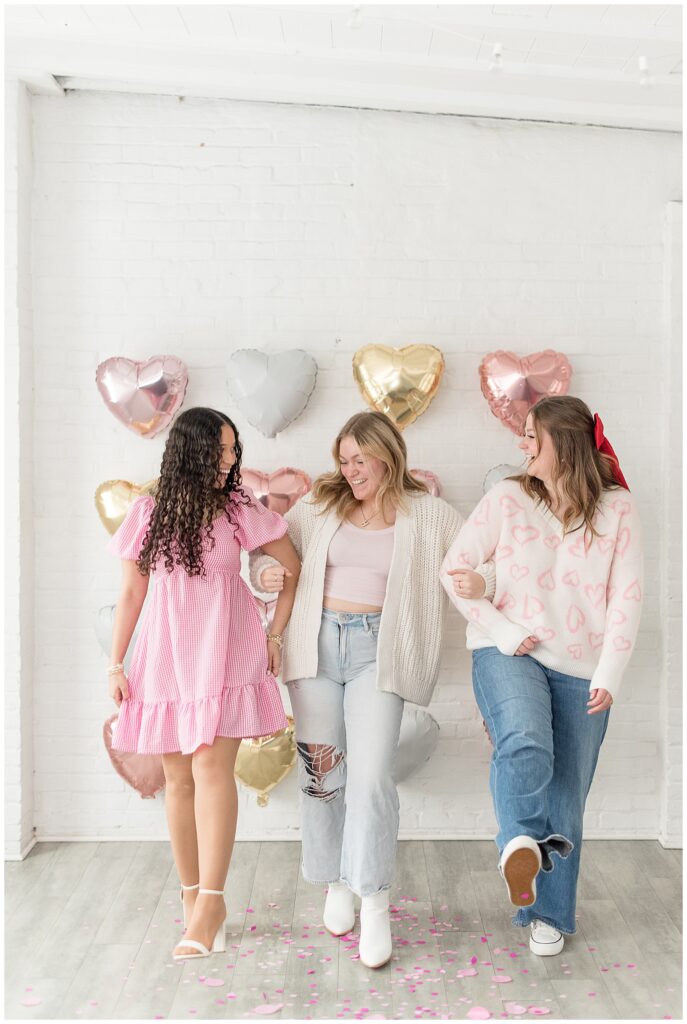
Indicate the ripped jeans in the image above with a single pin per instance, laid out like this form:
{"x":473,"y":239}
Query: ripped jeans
{"x":545,"y":751}
{"x":347,"y":734}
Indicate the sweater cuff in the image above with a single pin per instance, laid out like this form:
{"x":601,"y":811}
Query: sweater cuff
{"x":256,"y":565}
{"x":488,"y":573}
{"x":508,"y":636}
{"x":606,"y":678}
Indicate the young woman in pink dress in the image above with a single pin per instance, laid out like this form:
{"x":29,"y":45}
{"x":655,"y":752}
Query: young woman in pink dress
{"x":202,"y":674}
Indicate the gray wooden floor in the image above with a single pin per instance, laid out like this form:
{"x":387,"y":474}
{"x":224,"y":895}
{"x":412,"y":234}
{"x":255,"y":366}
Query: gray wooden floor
{"x":90,"y":927}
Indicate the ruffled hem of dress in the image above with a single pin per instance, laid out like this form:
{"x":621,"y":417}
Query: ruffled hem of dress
{"x":168,"y":727}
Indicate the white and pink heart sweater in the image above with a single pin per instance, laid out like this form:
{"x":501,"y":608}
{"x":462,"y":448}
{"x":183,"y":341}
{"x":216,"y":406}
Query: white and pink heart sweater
{"x":583,"y":602}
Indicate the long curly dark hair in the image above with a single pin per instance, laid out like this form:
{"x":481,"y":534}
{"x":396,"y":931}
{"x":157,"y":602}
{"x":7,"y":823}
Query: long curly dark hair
{"x":187,"y":497}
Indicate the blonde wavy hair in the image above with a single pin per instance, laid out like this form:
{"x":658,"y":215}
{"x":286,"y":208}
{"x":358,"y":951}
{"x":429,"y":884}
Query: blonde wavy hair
{"x":581,"y":473}
{"x":376,"y":436}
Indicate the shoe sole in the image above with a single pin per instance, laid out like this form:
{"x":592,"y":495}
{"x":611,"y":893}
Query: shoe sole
{"x":519,"y":872}
{"x":546,"y":949}
{"x":337,"y":935}
{"x":375,"y":967}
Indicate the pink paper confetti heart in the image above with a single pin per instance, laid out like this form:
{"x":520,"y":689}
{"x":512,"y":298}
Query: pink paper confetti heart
{"x":31,"y":1001}
{"x":266,"y":1008}
{"x":478,"y":1013}
{"x":213,"y":982}
{"x":514,"y":1008}
{"x":538,"y":1011}
{"x":501,"y":979}
{"x":467,"y":972}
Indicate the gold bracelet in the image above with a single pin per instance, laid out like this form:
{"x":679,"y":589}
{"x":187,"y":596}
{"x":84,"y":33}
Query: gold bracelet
{"x":276,"y":638}
{"x":114,"y":670}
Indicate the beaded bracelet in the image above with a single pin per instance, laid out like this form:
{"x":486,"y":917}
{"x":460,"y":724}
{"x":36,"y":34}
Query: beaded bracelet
{"x":114,"y":670}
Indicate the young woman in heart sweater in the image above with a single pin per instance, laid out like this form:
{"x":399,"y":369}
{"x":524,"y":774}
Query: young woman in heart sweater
{"x":550,"y":651}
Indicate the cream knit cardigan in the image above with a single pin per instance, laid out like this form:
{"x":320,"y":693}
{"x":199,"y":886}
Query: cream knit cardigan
{"x":412,"y":622}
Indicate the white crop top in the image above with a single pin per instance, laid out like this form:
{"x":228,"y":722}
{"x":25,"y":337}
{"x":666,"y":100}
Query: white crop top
{"x":358,"y":563}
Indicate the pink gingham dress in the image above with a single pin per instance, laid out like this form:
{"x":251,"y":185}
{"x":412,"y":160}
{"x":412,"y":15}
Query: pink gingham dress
{"x":199,"y":667}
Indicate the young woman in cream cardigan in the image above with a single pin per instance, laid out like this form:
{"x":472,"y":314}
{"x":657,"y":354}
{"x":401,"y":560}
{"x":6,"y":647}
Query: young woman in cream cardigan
{"x":365,"y":636}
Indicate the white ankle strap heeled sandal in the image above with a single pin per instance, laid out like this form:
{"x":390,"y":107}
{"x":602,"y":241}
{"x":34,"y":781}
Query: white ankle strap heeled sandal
{"x":186,"y":888}
{"x":219,"y":942}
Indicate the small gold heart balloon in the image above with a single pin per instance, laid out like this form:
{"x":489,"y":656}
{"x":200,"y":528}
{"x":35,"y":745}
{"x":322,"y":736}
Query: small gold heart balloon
{"x":400,"y":382}
{"x":263,"y":762}
{"x":113,"y":498}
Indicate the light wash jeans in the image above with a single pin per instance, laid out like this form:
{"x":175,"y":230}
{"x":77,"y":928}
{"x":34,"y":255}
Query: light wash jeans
{"x":545,"y":751}
{"x":347,"y":734}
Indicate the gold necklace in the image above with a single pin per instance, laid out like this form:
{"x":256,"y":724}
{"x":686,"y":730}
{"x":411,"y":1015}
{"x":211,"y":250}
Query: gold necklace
{"x":366,"y":522}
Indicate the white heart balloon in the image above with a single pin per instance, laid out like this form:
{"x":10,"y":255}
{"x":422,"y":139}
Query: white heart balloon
{"x":103,"y":630}
{"x":271,"y":390}
{"x":498,"y":473}
{"x":416,"y":743}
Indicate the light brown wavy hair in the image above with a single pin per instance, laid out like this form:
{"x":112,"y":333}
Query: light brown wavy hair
{"x":377,"y":436}
{"x":581,"y":472}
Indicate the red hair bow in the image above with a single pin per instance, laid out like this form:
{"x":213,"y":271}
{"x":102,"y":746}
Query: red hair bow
{"x":605,"y":447}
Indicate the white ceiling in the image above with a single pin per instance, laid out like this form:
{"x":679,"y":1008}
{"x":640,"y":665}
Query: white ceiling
{"x":562,"y":62}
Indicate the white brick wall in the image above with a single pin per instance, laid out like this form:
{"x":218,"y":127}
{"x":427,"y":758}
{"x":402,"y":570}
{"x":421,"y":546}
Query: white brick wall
{"x":199,"y":227}
{"x":18,"y":532}
{"x":671,"y":705}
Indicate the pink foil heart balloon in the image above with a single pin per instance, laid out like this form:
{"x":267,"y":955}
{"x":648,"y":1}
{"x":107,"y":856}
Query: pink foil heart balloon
{"x":428,"y":478}
{"x":280,"y":490}
{"x":266,"y":610}
{"x":142,"y":771}
{"x":513,"y":385}
{"x":144,"y":396}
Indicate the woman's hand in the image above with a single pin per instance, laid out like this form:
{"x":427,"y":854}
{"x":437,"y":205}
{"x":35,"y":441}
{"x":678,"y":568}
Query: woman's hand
{"x":467,"y":584}
{"x":273,"y":656}
{"x":600,"y":700}
{"x":118,"y":686}
{"x":526,"y":647}
{"x":272,"y":579}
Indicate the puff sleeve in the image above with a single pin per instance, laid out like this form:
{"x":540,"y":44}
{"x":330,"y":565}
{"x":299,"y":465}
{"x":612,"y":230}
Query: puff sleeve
{"x":256,"y":525}
{"x":128,"y":540}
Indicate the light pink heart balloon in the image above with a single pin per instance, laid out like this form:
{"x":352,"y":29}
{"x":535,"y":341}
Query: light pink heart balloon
{"x":428,"y":478}
{"x":142,"y":771}
{"x":266,"y":609}
{"x":145,"y":396}
{"x":280,"y":490}
{"x":513,"y":385}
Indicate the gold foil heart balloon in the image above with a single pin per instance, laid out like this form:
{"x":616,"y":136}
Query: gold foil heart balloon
{"x":113,"y":498}
{"x":400,"y":382}
{"x":262,"y":763}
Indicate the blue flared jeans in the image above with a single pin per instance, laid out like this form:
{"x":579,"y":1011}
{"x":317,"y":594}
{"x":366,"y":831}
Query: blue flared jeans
{"x":546,"y":748}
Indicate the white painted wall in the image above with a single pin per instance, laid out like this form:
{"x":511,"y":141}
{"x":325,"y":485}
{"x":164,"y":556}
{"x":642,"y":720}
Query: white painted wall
{"x":202,"y":226}
{"x":18,"y":477}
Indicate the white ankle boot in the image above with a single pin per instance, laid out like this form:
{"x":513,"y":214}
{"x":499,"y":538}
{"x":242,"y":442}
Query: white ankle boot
{"x":375,"y":930}
{"x":339,"y":909}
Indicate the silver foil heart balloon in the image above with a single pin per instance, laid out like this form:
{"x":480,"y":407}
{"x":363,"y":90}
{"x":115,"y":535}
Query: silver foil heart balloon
{"x":271,"y":390}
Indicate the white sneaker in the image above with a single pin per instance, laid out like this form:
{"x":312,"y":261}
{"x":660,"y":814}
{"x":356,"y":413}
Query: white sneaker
{"x":545,"y":940}
{"x":519,"y":865}
{"x":339,"y":909}
{"x":375,"y":930}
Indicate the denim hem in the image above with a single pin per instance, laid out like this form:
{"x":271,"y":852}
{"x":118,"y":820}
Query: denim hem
{"x":314,"y":881}
{"x":363,"y":895}
{"x":532,"y":916}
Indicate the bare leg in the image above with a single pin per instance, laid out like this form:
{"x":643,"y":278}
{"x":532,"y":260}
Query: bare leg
{"x":181,"y":821}
{"x":216,"y":809}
